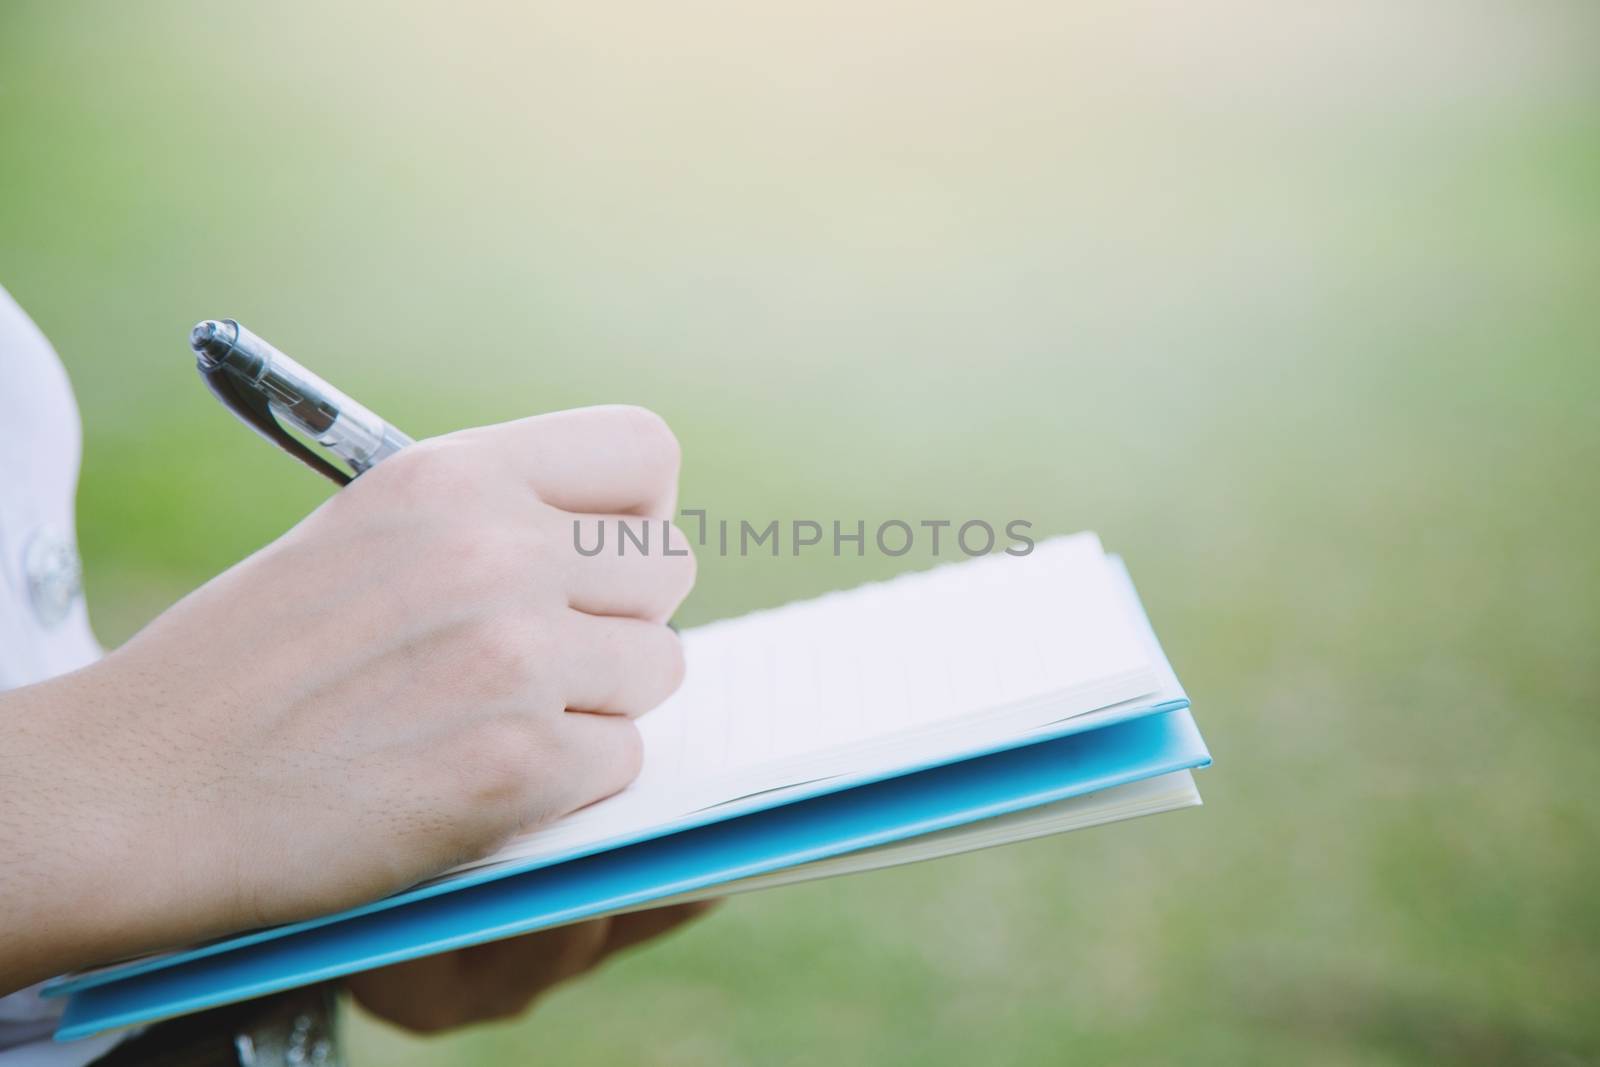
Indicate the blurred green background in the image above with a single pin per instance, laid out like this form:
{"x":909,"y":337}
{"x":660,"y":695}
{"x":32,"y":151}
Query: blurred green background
{"x":1297,"y":305}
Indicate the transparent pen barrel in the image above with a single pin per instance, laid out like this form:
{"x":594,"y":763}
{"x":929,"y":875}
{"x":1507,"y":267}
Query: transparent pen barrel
{"x":360,"y":438}
{"x":296,"y":396}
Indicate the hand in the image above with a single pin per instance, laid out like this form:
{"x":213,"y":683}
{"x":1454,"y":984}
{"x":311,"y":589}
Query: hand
{"x":422,"y":668}
{"x":500,"y":980}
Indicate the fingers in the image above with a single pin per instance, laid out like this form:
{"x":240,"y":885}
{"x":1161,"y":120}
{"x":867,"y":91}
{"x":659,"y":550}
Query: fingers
{"x":527,"y":771}
{"x":619,"y":666}
{"x":603,"y":754}
{"x":500,"y":979}
{"x":637,"y":927}
{"x":533,"y":963}
{"x":518,"y":969}
{"x":522,"y":968}
{"x":601,"y":459}
{"x":629,"y":566}
{"x":567,"y":952}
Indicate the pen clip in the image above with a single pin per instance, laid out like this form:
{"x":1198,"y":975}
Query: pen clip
{"x":252,"y":409}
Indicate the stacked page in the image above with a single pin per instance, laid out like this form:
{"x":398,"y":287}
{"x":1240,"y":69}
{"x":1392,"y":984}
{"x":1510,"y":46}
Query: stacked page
{"x":1151,"y":796}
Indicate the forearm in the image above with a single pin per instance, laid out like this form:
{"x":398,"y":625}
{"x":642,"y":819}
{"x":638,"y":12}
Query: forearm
{"x":73,"y":889}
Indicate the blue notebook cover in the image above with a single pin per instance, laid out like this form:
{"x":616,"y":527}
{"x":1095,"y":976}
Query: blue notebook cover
{"x":812,"y":829}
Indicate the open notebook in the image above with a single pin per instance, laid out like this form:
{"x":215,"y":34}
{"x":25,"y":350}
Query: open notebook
{"x":974,"y":704}
{"x":884,"y":677}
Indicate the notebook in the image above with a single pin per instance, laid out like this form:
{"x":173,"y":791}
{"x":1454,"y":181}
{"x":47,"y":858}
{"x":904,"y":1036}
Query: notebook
{"x":970,"y":705}
{"x":886,"y":676}
{"x":971,"y":792}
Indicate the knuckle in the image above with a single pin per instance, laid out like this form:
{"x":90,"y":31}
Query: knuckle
{"x":429,"y":473}
{"x":595,"y":760}
{"x":675,"y":666}
{"x":551,"y":531}
{"x":502,"y":656}
{"x":654,"y":664}
{"x":480,"y":559}
{"x":501,"y":753}
{"x":688,"y":563}
{"x":494,"y":547}
{"x":628,"y":751}
{"x":658,"y":443}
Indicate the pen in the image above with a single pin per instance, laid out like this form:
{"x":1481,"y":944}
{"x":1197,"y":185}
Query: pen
{"x":262,"y":386}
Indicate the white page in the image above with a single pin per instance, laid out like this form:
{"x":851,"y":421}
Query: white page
{"x":874,"y":678}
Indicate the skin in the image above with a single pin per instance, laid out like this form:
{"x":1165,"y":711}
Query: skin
{"x":502,"y":979}
{"x":421,"y":669}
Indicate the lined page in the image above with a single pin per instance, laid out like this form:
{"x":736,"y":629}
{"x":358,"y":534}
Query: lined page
{"x":857,"y":680}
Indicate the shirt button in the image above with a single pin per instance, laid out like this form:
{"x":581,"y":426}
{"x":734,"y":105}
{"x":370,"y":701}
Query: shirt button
{"x":55,"y":577}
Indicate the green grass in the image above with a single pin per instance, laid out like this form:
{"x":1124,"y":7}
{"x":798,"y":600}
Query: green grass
{"x":1302,"y":316}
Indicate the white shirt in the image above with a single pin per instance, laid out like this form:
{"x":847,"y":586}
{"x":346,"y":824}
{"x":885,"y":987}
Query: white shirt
{"x":44,"y":627}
